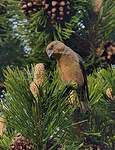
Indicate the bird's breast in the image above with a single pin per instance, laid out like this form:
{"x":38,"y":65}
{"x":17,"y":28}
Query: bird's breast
{"x":70,"y":70}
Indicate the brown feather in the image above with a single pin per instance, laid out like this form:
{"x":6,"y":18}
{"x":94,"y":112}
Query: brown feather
{"x":71,"y":69}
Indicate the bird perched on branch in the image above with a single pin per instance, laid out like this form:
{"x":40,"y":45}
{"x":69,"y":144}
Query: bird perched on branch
{"x":71,"y":70}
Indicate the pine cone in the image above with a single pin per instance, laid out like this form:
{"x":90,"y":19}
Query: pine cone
{"x":57,"y":10}
{"x":39,"y":75}
{"x":2,"y":125}
{"x":34,"y":89}
{"x":20,"y":143}
{"x":30,"y":6}
{"x":109,"y":94}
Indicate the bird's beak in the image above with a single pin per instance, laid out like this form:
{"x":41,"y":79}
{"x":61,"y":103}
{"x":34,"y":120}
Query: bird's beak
{"x":49,"y":53}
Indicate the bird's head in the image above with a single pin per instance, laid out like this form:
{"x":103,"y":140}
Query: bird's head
{"x":55,"y":49}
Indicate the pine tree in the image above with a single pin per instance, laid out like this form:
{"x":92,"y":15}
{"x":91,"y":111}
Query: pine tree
{"x":49,"y":114}
{"x":43,"y":118}
{"x":89,"y":26}
{"x":12,"y":52}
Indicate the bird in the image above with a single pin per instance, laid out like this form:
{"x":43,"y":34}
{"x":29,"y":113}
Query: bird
{"x":71,"y":70}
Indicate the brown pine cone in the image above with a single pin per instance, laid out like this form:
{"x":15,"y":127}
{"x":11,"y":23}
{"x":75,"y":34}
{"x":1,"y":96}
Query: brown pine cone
{"x":30,"y":6}
{"x":20,"y":143}
{"x":60,"y":10}
{"x":39,"y":76}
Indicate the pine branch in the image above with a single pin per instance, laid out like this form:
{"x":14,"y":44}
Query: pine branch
{"x":46,"y":116}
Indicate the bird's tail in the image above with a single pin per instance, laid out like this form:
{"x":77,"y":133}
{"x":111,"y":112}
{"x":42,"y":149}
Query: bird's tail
{"x":83,"y":99}
{"x":83,"y":93}
{"x":84,"y":107}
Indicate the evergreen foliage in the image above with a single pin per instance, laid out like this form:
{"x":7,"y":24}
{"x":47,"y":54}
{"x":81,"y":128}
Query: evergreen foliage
{"x":49,"y":114}
{"x":12,"y":51}
{"x":46,"y":119}
{"x":39,"y":118}
{"x":84,"y":32}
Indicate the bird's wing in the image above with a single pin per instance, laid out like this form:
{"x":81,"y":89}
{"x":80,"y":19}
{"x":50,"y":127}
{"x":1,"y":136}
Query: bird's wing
{"x":85,"y":79}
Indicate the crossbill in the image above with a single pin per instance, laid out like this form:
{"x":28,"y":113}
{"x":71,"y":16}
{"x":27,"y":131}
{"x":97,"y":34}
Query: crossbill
{"x":71,"y":70}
